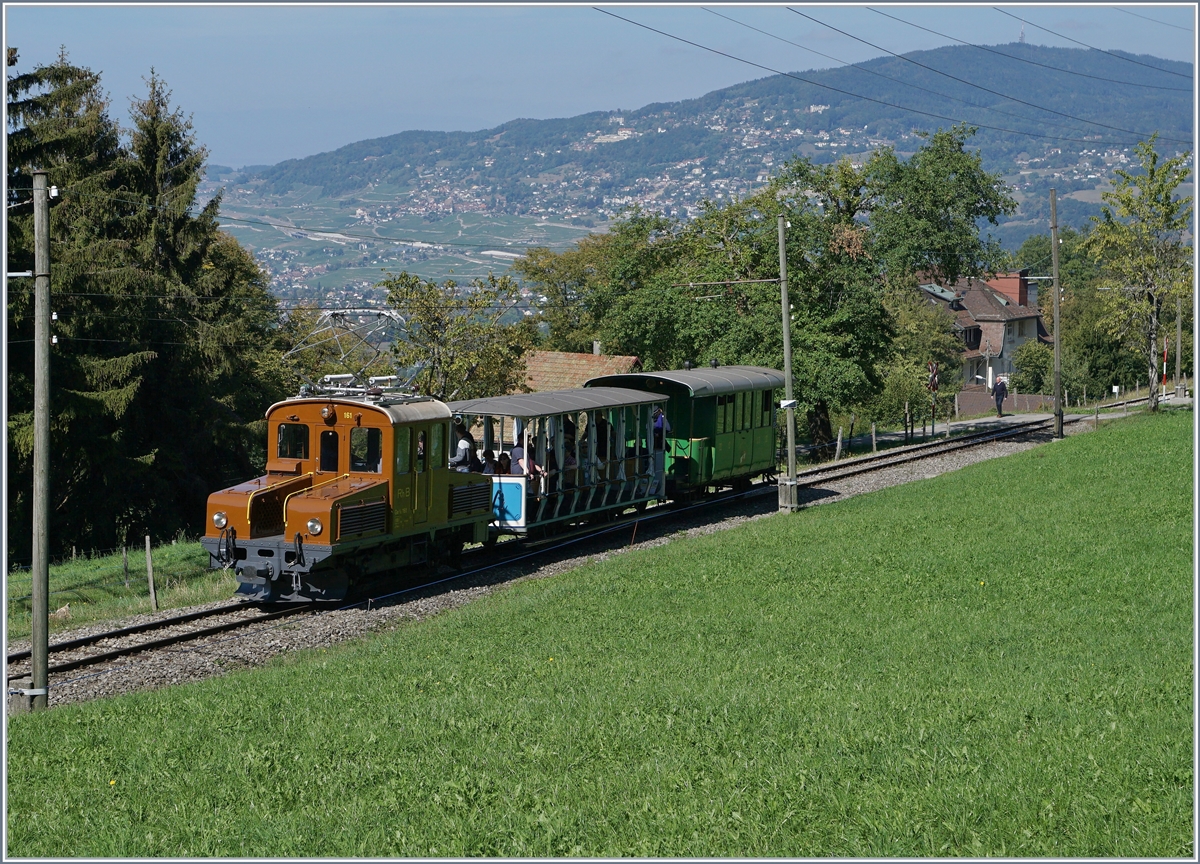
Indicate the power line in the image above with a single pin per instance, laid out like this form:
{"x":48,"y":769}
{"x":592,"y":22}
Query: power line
{"x":1155,"y":20}
{"x":980,"y":86}
{"x":1033,"y":62}
{"x":718,"y":52}
{"x":1092,"y":47}
{"x":872,"y":71}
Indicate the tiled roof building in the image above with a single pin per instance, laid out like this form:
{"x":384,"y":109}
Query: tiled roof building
{"x":561,"y":370}
{"x":993,"y":318}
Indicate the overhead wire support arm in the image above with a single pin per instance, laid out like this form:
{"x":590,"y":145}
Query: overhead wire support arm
{"x":722,"y":282}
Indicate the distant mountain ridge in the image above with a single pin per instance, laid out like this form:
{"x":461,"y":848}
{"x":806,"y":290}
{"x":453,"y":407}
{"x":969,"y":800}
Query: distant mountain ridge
{"x":771,"y":111}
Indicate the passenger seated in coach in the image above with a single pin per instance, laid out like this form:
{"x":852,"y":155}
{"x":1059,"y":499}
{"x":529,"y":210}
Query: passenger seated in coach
{"x":504,"y":464}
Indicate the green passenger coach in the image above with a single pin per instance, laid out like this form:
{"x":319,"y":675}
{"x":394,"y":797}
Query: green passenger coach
{"x":720,"y":428}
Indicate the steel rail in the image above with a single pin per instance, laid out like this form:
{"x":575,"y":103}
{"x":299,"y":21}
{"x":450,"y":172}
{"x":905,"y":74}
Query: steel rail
{"x":525,"y":548}
{"x":170,"y":640}
{"x":139,"y":628}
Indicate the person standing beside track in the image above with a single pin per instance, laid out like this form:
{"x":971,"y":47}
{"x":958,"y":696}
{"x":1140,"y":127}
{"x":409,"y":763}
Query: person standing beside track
{"x":998,"y":393}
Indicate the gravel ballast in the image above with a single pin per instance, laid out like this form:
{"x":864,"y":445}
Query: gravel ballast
{"x":257,"y":644}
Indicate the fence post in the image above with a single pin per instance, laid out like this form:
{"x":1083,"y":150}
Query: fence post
{"x":838,"y":454}
{"x":150,"y":576}
{"x":1096,"y":421}
{"x":125,"y":561}
{"x":872,"y":437}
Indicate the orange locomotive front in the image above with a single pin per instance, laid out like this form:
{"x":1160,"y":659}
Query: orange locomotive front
{"x":357,"y":485}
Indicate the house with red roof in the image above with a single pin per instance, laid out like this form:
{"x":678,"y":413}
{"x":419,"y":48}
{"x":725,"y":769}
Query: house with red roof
{"x":993,"y":318}
{"x":563,"y":370}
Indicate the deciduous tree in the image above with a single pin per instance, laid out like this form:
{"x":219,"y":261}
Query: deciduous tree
{"x":460,"y":337}
{"x":1138,"y":243}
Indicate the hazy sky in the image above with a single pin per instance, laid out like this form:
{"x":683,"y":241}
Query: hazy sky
{"x":267,"y":83}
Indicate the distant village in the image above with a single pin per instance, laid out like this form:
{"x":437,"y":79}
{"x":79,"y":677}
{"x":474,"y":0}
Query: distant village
{"x":760,"y":141}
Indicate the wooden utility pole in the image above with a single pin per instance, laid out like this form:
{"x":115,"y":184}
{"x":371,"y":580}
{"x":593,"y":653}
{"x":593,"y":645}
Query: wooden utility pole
{"x":150,"y":576}
{"x":1058,"y":406}
{"x":1178,"y":341}
{"x":39,"y":638}
{"x":787,"y":489}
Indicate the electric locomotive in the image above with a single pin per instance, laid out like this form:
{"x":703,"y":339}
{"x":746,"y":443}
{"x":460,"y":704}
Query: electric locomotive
{"x":357,"y":483}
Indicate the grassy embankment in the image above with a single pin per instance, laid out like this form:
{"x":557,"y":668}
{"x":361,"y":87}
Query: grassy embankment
{"x":997,"y":661}
{"x":96,"y":591}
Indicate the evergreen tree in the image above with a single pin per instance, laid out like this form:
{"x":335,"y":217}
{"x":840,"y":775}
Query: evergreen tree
{"x":167,"y":344}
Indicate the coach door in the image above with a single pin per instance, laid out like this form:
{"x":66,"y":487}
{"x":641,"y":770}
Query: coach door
{"x":744,"y":405}
{"x":421,"y":475}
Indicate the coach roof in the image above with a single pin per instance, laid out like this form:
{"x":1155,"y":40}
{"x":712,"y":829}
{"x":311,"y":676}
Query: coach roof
{"x":554,"y":402}
{"x":703,"y":382}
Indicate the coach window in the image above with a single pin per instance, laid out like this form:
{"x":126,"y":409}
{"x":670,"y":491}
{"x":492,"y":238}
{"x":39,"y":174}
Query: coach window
{"x":421,"y":451}
{"x":766,"y":408}
{"x":403,"y":445}
{"x":293,"y":441}
{"x":329,"y":451}
{"x":366,"y":449}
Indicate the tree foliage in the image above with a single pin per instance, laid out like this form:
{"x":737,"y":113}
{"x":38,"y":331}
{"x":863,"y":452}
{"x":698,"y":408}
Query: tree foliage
{"x":1138,"y":241}
{"x":457,"y":336}
{"x":670,"y":291}
{"x":167,"y":348}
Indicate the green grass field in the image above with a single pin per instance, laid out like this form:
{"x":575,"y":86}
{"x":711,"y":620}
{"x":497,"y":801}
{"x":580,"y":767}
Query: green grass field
{"x":96,"y":591}
{"x":997,"y":661}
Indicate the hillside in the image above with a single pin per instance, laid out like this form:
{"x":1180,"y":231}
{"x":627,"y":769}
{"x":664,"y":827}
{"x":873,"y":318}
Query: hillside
{"x":673,"y":156}
{"x":894,"y":675}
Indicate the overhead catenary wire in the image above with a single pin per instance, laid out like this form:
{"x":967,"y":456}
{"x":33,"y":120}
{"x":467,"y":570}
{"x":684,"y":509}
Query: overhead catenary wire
{"x":1155,"y":20}
{"x":955,"y":120}
{"x":980,"y":86}
{"x":1031,"y":62}
{"x":1093,"y":47}
{"x":862,"y":68}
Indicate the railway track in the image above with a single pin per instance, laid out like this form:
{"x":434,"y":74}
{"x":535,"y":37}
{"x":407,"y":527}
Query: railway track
{"x":178,"y":629}
{"x":182,"y":625}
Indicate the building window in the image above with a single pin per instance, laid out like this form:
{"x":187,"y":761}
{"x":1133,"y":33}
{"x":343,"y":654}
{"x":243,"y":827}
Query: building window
{"x":1023,"y":327}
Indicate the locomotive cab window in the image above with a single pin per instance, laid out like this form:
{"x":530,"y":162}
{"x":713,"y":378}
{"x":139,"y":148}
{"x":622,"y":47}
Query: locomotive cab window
{"x":421,"y":451}
{"x":329,"y":451}
{"x":403,"y":444}
{"x":437,"y":455}
{"x":366,"y":449}
{"x":293,"y":441}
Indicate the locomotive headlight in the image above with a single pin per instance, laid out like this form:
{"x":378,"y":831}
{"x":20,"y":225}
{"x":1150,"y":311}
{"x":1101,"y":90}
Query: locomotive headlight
{"x":220,"y":520}
{"x":314,"y":526}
